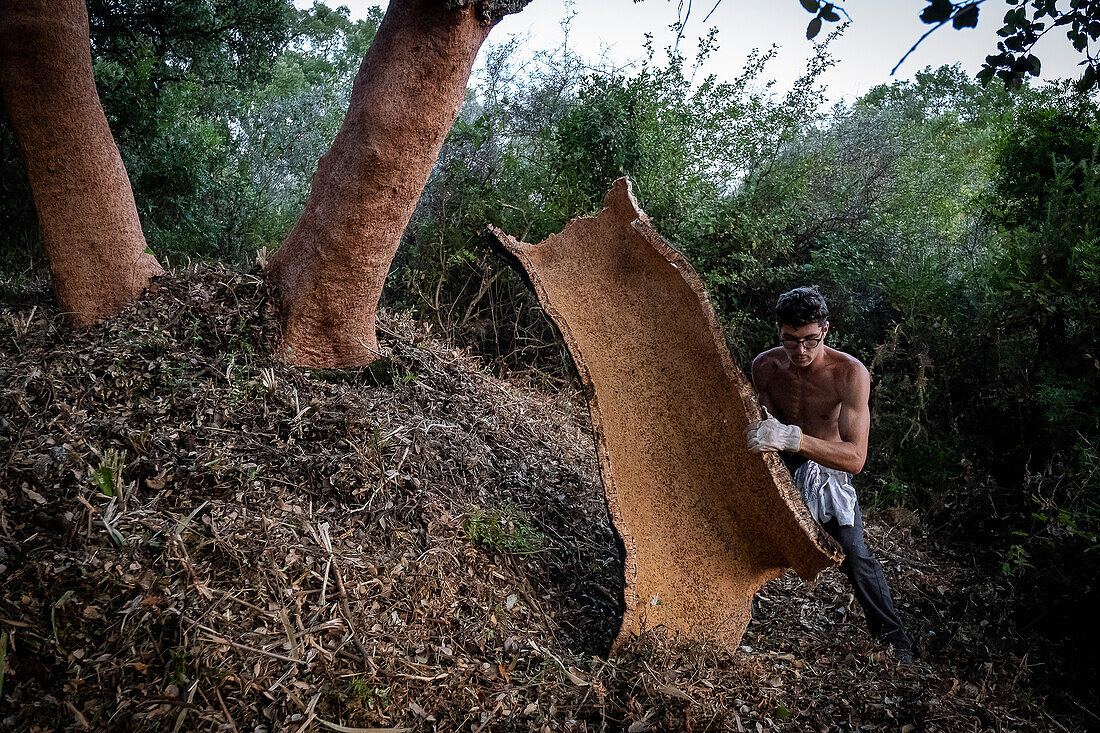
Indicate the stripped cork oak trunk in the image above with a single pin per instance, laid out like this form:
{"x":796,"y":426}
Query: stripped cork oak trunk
{"x":330,"y":270}
{"x":703,"y":522}
{"x":86,"y":213}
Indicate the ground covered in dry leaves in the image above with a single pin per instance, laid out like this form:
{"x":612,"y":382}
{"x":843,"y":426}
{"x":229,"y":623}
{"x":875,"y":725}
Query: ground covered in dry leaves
{"x":194,"y":536}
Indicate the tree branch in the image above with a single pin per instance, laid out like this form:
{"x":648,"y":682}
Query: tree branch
{"x":930,"y":31}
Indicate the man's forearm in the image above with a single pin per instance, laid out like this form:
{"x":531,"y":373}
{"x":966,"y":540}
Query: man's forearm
{"x":833,"y":454}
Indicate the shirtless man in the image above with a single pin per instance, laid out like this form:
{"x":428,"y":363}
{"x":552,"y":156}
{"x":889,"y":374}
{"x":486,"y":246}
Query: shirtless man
{"x":819,"y":397}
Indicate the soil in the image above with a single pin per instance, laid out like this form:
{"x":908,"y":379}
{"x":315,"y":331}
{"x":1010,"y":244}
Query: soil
{"x":197,"y":536}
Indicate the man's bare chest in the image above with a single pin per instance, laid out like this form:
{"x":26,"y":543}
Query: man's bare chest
{"x":812,"y":404}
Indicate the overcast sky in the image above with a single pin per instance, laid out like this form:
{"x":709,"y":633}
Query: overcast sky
{"x":880,"y":34}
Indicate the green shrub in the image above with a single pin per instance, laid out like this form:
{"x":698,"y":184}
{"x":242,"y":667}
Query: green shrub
{"x":507,"y":530}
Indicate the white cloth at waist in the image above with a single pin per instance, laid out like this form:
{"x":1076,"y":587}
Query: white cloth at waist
{"x":828,"y":493}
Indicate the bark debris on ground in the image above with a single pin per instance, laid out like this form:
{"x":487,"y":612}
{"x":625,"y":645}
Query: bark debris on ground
{"x":195,"y":536}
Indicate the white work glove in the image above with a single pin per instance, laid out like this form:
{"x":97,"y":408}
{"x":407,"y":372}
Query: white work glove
{"x":771,"y":435}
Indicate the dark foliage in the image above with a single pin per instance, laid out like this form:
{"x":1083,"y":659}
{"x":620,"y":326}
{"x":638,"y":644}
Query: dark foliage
{"x":1024,"y":24}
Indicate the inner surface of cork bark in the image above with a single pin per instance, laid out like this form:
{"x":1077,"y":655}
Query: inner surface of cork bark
{"x":704,"y":523}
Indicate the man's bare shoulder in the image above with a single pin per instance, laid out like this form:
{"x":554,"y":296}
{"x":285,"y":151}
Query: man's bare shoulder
{"x":764,"y":367}
{"x":771,"y":356}
{"x":846,"y":368}
{"x":766,"y":362}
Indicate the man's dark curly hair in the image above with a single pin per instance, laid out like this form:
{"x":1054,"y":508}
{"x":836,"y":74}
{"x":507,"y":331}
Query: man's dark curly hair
{"x":801,"y":306}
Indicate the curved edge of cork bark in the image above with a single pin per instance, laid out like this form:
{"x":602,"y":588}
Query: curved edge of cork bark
{"x":815,"y":550}
{"x":824,"y":551}
{"x":519,"y":250}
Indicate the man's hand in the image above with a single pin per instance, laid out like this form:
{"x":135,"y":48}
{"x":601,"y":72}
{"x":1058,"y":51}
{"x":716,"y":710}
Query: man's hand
{"x":771,"y":435}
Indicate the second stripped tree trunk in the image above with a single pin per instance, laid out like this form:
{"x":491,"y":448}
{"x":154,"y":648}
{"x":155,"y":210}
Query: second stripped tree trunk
{"x":86,"y":213}
{"x":330,"y":270}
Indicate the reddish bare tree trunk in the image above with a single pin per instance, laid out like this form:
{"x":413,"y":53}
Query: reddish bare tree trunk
{"x":86,"y":213}
{"x":330,"y":269}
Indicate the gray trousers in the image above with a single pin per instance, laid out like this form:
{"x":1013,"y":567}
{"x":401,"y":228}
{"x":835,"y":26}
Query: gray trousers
{"x":864,"y":573}
{"x":868,"y":582}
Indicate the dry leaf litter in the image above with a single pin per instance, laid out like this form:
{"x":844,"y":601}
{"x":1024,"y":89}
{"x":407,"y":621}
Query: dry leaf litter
{"x":197,"y":537}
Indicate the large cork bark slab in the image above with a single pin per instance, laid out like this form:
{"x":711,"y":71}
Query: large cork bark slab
{"x":86,"y":213}
{"x":704,"y":523}
{"x":330,"y":270}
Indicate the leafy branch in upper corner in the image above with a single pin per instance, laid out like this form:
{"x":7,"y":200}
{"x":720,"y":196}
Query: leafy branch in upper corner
{"x":1022,"y":29}
{"x":1024,"y":24}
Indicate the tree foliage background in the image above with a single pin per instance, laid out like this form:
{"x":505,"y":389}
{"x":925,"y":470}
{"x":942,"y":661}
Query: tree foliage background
{"x":220,"y":110}
{"x":954,"y":228}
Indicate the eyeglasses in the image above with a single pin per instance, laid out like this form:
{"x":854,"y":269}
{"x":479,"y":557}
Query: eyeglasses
{"x":812,"y":342}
